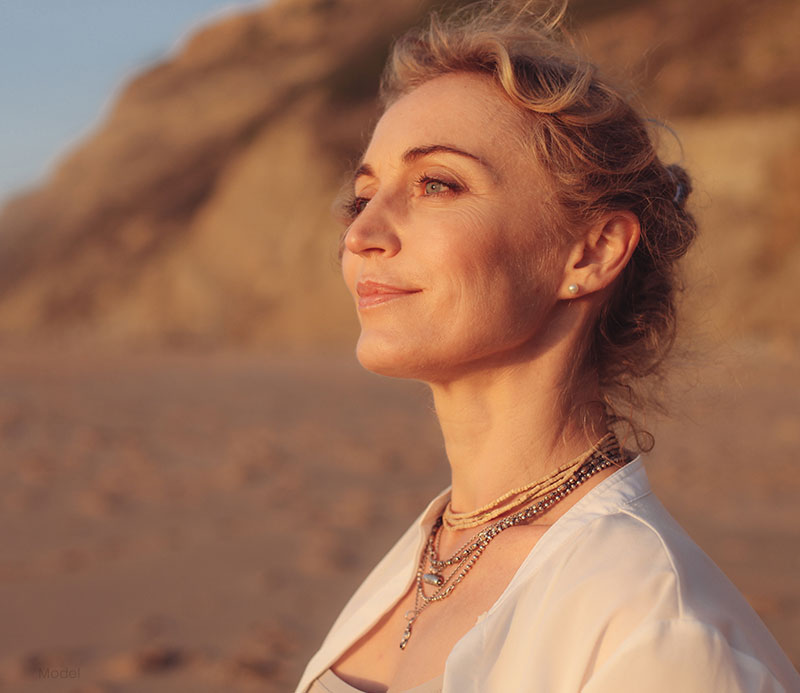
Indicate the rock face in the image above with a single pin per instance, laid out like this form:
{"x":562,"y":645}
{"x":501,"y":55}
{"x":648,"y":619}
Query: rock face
{"x":200,"y":210}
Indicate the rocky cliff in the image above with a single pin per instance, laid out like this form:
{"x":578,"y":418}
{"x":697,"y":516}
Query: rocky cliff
{"x":198,"y":212}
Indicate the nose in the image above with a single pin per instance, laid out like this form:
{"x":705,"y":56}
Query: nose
{"x":372,"y":232}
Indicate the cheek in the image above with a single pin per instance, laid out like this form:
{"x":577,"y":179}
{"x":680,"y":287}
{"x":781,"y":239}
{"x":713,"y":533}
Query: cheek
{"x":469,"y":239}
{"x":505,"y":277}
{"x":495,"y":253}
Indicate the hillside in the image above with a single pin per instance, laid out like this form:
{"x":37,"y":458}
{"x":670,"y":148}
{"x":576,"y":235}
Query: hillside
{"x":198,"y":212}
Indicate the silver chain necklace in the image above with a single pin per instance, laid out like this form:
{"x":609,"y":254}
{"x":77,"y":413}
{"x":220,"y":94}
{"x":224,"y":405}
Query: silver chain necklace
{"x":466,"y":557}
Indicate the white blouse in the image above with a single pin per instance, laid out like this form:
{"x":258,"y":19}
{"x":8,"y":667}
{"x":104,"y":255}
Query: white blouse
{"x":614,"y":598}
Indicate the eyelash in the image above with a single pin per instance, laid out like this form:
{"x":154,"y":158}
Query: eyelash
{"x":353,"y":205}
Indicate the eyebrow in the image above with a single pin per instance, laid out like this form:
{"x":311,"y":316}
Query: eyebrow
{"x":415,"y":153}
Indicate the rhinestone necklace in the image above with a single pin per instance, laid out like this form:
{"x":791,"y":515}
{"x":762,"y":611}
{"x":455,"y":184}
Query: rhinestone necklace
{"x":466,"y":557}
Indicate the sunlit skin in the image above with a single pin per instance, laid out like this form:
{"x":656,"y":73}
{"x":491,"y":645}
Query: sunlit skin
{"x":443,"y":257}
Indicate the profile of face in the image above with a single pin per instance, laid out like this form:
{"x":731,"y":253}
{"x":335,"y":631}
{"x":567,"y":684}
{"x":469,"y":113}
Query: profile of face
{"x":443,"y":253}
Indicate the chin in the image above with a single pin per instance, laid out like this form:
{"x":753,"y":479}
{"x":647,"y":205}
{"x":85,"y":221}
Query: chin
{"x":394,"y":358}
{"x":381,"y":359}
{"x":412,"y":359}
{"x":416,"y":357}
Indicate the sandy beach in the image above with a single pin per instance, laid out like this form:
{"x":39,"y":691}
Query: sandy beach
{"x":193,"y":522}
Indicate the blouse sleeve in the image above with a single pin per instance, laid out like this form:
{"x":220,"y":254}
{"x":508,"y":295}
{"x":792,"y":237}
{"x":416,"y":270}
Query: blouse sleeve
{"x":680,"y":655}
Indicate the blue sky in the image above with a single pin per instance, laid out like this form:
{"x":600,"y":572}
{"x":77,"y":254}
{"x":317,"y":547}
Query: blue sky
{"x":62,"y":61}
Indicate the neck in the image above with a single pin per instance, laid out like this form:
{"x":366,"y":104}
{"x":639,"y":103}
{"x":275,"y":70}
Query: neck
{"x":503,"y":427}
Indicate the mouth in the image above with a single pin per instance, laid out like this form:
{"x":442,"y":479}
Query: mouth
{"x":371,"y":293}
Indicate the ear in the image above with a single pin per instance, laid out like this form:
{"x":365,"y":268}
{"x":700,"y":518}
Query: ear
{"x":597,"y":259}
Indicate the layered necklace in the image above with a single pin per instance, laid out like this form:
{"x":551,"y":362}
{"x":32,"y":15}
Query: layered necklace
{"x":441,"y":576}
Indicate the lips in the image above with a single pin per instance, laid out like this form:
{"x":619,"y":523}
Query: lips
{"x":372,"y":293}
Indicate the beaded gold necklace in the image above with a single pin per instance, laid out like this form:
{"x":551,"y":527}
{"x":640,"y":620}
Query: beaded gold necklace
{"x":524,"y":494}
{"x":605,"y":453}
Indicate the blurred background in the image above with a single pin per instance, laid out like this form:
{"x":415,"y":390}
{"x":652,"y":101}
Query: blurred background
{"x":194,"y":471}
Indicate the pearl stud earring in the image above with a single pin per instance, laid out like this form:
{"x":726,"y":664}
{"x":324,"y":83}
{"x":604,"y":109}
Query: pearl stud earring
{"x":573,"y":289}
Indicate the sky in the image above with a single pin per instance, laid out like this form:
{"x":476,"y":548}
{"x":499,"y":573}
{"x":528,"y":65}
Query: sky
{"x":63,"y":61}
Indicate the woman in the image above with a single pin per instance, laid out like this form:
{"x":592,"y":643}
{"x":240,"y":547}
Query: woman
{"x":512,"y":242}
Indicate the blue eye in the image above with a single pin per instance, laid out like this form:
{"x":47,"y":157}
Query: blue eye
{"x":434,"y":187}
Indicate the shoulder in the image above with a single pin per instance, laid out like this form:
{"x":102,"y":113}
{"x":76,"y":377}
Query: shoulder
{"x":625,"y":554}
{"x":637,"y":566}
{"x":610,"y":576}
{"x":640,"y":551}
{"x":641,"y":606}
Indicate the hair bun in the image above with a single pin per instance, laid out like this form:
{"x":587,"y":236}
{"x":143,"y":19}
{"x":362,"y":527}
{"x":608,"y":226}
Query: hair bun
{"x":683,"y":184}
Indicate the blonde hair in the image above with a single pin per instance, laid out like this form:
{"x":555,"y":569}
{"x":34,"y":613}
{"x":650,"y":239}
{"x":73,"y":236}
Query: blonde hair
{"x":598,"y":151}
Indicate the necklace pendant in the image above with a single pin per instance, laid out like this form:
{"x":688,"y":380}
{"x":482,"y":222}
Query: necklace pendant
{"x":432,"y":579}
{"x":406,"y":637}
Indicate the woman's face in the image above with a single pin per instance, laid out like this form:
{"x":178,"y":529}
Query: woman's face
{"x":443,"y":255}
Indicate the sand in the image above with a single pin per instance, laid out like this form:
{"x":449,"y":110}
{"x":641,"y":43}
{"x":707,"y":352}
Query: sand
{"x":194,"y":521}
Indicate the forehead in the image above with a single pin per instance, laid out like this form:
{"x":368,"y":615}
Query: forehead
{"x":463,"y":109}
